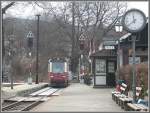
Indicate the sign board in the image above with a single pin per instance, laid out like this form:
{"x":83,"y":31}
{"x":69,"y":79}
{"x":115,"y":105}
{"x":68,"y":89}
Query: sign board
{"x":30,"y":35}
{"x":137,"y":60}
{"x":109,"y":47}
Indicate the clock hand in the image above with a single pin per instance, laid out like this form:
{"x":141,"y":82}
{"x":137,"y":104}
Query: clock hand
{"x":130,"y":23}
{"x":134,"y":21}
{"x":133,"y":17}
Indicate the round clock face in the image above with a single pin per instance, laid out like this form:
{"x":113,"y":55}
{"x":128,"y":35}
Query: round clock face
{"x":134,"y":20}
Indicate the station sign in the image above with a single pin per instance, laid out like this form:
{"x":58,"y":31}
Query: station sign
{"x":30,"y":35}
{"x":137,"y":60}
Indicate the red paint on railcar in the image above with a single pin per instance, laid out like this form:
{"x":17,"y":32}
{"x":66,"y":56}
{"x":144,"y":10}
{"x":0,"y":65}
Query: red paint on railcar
{"x":58,"y":72}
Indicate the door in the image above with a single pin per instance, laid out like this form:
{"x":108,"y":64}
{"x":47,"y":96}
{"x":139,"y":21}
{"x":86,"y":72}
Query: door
{"x":111,"y":68}
{"x":100,"y":72}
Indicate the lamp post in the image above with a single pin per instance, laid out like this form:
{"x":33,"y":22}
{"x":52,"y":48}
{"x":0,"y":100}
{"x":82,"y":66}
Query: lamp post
{"x":3,"y":47}
{"x":118,"y":28}
{"x":10,"y":54}
{"x":37,"y":51}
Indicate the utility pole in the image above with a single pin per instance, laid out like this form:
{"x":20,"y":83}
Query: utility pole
{"x":118,"y":28}
{"x":0,"y":48}
{"x":11,"y":57}
{"x":37,"y":51}
{"x":3,"y":48}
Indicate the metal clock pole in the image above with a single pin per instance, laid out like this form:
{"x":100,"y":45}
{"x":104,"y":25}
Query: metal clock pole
{"x":118,"y":59}
{"x":134,"y":71}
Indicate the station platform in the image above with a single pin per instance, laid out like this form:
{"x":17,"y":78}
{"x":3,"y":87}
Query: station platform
{"x":19,"y":89}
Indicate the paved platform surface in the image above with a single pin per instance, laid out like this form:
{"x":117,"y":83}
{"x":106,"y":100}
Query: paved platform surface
{"x":80,"y":97}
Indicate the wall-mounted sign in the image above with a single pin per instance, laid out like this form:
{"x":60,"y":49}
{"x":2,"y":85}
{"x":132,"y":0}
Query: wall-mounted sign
{"x":137,"y":60}
{"x":109,"y":47}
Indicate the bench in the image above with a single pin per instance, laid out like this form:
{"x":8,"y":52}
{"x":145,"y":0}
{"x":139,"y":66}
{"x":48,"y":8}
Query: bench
{"x":136,"y":107}
{"x":124,"y":100}
{"x":122,"y":94}
{"x":122,"y":88}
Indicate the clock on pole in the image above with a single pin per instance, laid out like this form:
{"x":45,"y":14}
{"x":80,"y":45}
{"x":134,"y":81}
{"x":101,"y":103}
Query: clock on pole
{"x":134,"y":21}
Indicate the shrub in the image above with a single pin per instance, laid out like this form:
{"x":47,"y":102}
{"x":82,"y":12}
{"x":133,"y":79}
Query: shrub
{"x":141,"y":76}
{"x":126,"y":74}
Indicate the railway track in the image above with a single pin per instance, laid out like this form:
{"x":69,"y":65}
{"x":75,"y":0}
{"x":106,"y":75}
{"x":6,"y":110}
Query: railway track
{"x":6,"y":103}
{"x":21,"y":106}
{"x":24,"y":104}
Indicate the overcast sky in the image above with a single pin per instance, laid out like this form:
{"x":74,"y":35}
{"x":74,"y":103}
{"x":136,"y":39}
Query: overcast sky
{"x":29,"y":12}
{"x":139,"y":5}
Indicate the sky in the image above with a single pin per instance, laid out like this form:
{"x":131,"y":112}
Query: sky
{"x":29,"y":12}
{"x":143,"y":6}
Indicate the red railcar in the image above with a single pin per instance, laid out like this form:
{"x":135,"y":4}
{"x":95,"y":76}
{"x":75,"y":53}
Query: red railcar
{"x":58,"y":72}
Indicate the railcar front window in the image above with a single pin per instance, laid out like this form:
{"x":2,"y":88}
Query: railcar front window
{"x":58,"y":67}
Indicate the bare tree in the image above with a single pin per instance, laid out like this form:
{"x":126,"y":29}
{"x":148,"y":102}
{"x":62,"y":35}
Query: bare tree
{"x":99,"y":17}
{"x":94,"y":18}
{"x":63,"y":24}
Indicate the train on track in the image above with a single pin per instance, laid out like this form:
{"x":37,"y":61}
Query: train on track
{"x":58,"y":70}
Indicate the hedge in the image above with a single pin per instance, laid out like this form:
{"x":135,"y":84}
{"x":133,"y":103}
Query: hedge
{"x":141,"y":76}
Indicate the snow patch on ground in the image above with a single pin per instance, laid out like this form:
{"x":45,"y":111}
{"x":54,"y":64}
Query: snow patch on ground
{"x":7,"y":92}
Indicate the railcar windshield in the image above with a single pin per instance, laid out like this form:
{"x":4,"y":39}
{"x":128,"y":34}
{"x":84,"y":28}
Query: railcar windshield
{"x":58,"y":67}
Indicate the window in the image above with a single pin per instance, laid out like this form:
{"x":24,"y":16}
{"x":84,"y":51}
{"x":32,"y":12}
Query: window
{"x":57,"y":67}
{"x":100,"y":66}
{"x":111,"y":67}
